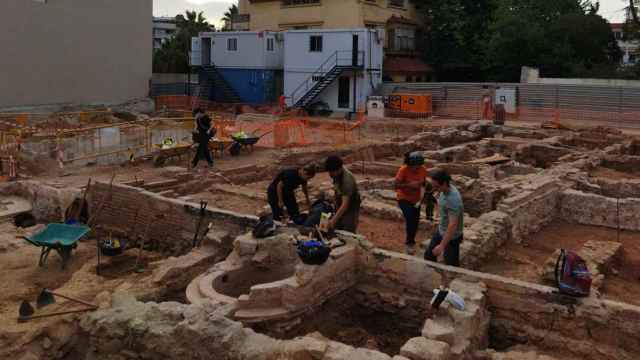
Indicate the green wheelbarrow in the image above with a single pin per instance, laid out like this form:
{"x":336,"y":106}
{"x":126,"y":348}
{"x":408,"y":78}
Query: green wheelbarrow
{"x":62,"y":238}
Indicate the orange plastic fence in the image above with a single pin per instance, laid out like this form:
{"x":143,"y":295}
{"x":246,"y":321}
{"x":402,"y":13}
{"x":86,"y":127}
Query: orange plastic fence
{"x":287,"y":133}
{"x":224,"y":127}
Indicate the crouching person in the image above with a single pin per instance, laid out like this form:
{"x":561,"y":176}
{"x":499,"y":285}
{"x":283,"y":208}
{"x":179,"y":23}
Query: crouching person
{"x":282,"y":191}
{"x":448,"y":237}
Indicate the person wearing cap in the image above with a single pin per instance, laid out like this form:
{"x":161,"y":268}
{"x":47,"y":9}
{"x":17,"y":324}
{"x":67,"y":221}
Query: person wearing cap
{"x":410,"y":184}
{"x":448,"y":237}
{"x":347,"y":196}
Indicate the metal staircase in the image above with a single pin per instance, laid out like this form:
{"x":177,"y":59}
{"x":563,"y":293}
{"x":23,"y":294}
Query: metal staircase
{"x":214,"y":87}
{"x":327,"y":73}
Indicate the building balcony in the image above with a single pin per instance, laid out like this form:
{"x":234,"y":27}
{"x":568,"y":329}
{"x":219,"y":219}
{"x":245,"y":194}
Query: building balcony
{"x":294,"y":3}
{"x":240,"y":22}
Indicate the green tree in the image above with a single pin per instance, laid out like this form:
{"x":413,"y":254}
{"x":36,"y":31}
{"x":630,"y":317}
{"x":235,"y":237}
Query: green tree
{"x":229,"y":15}
{"x":455,"y":36}
{"x":173,"y":57}
{"x":563,"y":38}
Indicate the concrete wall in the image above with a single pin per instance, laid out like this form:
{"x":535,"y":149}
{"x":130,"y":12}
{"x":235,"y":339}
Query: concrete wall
{"x":532,"y":76}
{"x":74,"y":51}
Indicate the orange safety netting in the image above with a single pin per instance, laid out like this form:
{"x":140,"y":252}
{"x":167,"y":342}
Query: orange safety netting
{"x":290,"y":132}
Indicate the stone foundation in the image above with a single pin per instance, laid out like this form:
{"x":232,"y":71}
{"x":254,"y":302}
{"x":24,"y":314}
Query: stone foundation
{"x":592,"y":209}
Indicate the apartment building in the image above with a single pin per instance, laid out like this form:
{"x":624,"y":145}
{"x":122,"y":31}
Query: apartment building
{"x":630,"y":48}
{"x":74,"y":51}
{"x":398,"y":18}
{"x":164,"y":28}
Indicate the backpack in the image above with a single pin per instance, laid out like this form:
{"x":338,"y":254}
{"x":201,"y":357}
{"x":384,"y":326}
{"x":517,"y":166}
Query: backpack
{"x":313,"y":252}
{"x":572,"y":275}
{"x":266,"y":227}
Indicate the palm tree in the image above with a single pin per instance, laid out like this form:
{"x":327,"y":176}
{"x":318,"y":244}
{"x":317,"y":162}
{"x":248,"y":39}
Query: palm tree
{"x":229,"y":15}
{"x":174,"y":54}
{"x":632,"y":11}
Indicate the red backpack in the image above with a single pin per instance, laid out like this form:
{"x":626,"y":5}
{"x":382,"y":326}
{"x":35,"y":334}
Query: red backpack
{"x":572,"y":275}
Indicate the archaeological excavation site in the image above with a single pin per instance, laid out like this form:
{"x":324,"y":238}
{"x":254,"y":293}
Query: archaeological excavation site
{"x":115,"y":247}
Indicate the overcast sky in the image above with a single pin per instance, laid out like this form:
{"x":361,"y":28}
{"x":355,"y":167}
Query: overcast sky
{"x":213,"y":9}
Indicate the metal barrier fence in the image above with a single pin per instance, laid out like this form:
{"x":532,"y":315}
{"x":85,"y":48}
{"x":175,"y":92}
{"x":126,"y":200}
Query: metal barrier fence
{"x":613,"y":105}
{"x":181,"y":88}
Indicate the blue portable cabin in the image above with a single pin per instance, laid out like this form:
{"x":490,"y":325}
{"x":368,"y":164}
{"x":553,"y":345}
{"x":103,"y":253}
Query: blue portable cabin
{"x":251,"y":63}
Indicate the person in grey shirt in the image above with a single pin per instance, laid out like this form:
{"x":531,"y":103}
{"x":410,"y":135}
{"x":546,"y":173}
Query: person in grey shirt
{"x":447,"y":238}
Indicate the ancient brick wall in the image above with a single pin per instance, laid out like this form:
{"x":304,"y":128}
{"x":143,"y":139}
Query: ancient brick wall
{"x":531,"y":207}
{"x":168,"y":223}
{"x":592,"y":209}
{"x":521,"y":312}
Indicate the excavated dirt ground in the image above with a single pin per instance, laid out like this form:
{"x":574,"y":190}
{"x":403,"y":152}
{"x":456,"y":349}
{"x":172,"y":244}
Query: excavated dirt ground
{"x":344,"y":320}
{"x":388,"y":234}
{"x":22,"y":279}
{"x":524,"y":261}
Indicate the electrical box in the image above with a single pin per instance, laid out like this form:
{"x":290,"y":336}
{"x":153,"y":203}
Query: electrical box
{"x":410,"y":105}
{"x":416,"y":104}
{"x":375,"y":107}
{"x":506,"y":97}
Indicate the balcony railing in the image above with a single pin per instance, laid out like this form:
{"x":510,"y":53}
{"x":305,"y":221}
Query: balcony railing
{"x":240,"y":18}
{"x":299,"y":2}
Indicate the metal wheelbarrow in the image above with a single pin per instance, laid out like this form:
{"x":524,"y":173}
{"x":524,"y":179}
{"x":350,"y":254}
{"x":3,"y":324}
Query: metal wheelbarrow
{"x":62,"y":238}
{"x":245,"y":142}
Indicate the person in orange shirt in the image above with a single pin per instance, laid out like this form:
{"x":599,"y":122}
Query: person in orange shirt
{"x":410,"y":185}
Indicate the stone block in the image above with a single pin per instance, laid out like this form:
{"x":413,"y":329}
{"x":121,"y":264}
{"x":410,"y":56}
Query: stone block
{"x":245,"y":245}
{"x":440,"y":329}
{"x":420,"y":348}
{"x":306,"y":348}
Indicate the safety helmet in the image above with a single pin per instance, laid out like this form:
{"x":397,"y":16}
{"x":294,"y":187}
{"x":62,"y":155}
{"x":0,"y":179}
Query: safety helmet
{"x":414,"y":159}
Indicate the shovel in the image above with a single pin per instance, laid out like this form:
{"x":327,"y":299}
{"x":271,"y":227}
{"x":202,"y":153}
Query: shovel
{"x":46,"y":297}
{"x":26,"y":309}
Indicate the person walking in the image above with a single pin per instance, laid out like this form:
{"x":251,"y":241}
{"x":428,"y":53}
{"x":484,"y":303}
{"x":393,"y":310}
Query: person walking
{"x":449,"y":235}
{"x":410,"y":185}
{"x":347,"y":196}
{"x":281,"y":192}
{"x":202,"y":134}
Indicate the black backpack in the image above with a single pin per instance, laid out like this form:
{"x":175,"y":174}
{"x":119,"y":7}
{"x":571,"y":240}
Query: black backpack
{"x":313,"y":252}
{"x":266,"y":227}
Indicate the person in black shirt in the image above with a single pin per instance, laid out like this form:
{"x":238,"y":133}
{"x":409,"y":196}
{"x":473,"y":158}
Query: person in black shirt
{"x":281,"y":192}
{"x":204,"y":132}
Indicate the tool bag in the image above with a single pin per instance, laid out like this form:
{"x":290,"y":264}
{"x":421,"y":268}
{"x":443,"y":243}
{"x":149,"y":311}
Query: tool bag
{"x":313,"y":252}
{"x":572,"y":275}
{"x":266,"y":227}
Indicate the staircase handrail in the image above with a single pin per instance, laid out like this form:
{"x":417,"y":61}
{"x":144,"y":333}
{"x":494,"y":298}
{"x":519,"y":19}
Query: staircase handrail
{"x":322,"y":72}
